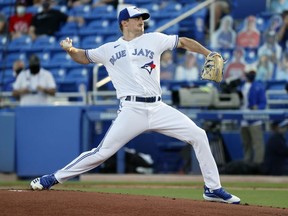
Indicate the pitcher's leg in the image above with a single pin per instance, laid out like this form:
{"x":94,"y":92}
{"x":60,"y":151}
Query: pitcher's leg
{"x":172,"y":122}
{"x":125,"y":127}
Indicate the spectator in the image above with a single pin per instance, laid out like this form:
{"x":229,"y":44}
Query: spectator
{"x":3,"y":26}
{"x":252,"y":135}
{"x":167,"y":66}
{"x":282,"y":68}
{"x":236,"y":67}
{"x":249,"y":36}
{"x":225,"y":35}
{"x":221,"y":9}
{"x":271,"y":47}
{"x":49,"y":21}
{"x":278,"y":6}
{"x":34,"y":85}
{"x":265,"y":68}
{"x":18,"y":66}
{"x":276,"y":153}
{"x":274,"y":23}
{"x":188,"y":71}
{"x":283,"y":31}
{"x":20,"y":22}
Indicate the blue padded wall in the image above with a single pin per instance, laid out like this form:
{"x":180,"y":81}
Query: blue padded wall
{"x":47,"y":138}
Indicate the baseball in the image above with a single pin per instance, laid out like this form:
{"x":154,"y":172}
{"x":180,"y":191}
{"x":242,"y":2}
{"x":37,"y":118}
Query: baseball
{"x":66,"y":44}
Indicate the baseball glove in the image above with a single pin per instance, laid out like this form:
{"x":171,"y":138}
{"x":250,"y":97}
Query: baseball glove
{"x":213,"y":67}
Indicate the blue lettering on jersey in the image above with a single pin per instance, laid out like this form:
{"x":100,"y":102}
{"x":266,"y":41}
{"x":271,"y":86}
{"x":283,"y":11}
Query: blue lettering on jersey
{"x":145,"y":52}
{"x":142,"y":52}
{"x":117,"y":56}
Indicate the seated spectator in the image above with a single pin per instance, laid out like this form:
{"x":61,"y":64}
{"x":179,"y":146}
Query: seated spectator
{"x":34,"y":85}
{"x":276,"y":153}
{"x":188,"y":71}
{"x":20,"y":22}
{"x":265,"y":68}
{"x":274,"y":23}
{"x":282,"y":68}
{"x":49,"y":21}
{"x":283,"y":31}
{"x":225,"y":35}
{"x":249,"y":36}
{"x":167,"y":66}
{"x":3,"y":26}
{"x":278,"y":6}
{"x":236,"y":68}
{"x":271,"y":47}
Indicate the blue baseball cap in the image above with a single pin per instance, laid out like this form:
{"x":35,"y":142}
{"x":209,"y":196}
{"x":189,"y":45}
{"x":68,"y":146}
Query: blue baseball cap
{"x":132,"y":12}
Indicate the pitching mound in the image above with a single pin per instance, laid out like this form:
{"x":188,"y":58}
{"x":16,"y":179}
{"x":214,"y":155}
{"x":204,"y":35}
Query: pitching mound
{"x":56,"y":202}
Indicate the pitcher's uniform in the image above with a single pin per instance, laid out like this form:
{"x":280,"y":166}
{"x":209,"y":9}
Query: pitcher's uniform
{"x":134,"y":68}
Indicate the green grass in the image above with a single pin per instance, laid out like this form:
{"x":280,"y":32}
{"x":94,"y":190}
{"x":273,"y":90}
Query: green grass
{"x":251,"y":193}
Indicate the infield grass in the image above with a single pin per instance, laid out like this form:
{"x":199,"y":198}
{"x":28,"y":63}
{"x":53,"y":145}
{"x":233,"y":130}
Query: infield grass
{"x":251,"y":193}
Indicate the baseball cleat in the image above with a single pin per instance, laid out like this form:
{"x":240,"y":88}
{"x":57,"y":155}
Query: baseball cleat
{"x":220,"y":195}
{"x":43,"y":183}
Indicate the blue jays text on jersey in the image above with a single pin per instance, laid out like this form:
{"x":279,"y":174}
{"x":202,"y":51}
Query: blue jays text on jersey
{"x":136,"y":52}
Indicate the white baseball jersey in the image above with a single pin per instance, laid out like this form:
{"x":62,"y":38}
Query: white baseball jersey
{"x":26,"y":80}
{"x":130,"y":73}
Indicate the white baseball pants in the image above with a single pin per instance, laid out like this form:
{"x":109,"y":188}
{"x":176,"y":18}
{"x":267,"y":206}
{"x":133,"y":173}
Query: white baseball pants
{"x":135,"y":118}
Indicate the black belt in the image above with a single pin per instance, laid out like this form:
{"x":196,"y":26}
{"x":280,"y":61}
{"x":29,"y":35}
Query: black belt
{"x":143,"y":99}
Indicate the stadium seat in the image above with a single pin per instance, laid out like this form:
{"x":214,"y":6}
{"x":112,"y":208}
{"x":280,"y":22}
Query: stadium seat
{"x":80,"y":11}
{"x":12,"y":57}
{"x":94,"y":27}
{"x":7,"y":80}
{"x":59,"y":74}
{"x":7,"y":11}
{"x":103,"y":12}
{"x":3,"y":42}
{"x":23,"y":43}
{"x":33,"y":9}
{"x":60,"y":59}
{"x":68,"y":29}
{"x":89,"y":42}
{"x":43,"y":43}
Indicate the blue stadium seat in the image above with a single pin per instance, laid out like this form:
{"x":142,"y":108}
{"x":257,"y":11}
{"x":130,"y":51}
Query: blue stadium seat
{"x":80,"y":11}
{"x":23,"y":43}
{"x":89,"y":42}
{"x":75,"y":79}
{"x":7,"y":80}
{"x":250,"y":55}
{"x":93,"y":27}
{"x":3,"y":42}
{"x":44,"y":42}
{"x":7,"y":11}
{"x":33,"y":9}
{"x":59,"y":74}
{"x":12,"y":57}
{"x":68,"y":29}
{"x":103,"y":12}
{"x":62,"y":8}
{"x":63,"y":60}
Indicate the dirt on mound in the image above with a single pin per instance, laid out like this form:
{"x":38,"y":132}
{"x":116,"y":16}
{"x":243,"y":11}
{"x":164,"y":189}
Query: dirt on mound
{"x":57,"y":202}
